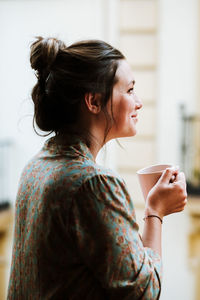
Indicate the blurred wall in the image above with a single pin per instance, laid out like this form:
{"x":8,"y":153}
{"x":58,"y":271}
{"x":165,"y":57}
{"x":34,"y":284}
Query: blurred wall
{"x":178,"y":70}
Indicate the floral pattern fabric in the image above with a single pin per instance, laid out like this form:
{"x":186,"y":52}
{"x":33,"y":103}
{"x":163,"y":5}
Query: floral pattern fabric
{"x":76,"y":235}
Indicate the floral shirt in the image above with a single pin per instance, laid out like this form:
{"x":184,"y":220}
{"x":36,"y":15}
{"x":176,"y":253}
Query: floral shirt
{"x":76,"y":235}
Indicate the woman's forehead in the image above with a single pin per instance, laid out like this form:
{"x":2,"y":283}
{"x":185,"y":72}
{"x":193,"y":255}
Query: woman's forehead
{"x":124,"y":73}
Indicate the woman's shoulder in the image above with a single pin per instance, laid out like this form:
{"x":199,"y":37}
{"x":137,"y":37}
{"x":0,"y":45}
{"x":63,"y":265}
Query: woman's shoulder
{"x":97,"y":170}
{"x":69,"y":170}
{"x":101,"y":178}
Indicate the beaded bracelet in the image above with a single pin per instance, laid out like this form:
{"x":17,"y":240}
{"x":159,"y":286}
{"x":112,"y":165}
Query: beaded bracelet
{"x":153,"y":216}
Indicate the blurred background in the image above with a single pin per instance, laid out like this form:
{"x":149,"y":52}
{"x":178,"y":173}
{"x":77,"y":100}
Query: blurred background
{"x":161,"y":40}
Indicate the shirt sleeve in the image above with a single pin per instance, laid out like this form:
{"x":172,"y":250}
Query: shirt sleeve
{"x":106,"y":234}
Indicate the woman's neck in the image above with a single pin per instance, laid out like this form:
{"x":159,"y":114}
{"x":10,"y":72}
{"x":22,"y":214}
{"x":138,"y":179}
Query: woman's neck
{"x":94,"y":148}
{"x":93,"y":139}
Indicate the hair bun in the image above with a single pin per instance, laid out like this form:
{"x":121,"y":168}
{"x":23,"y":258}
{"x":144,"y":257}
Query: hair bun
{"x":44,"y":52}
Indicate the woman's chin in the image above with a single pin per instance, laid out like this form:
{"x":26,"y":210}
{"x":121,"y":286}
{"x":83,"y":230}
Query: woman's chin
{"x":129,"y":134}
{"x":132,"y":132}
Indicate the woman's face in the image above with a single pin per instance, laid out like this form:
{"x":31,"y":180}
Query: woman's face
{"x":125,"y":104}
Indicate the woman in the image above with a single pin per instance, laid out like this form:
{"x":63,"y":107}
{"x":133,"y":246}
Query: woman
{"x":76,"y":235}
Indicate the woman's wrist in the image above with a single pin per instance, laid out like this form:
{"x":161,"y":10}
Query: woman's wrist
{"x":150,"y":211}
{"x":153,"y":216}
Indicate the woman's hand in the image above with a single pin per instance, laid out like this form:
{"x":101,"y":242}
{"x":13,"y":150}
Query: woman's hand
{"x":167,"y":196}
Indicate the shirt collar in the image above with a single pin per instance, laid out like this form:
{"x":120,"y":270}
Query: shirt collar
{"x":73,"y":146}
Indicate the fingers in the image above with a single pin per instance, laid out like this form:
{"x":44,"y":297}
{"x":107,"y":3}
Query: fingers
{"x":180,"y":186}
{"x":169,"y":174}
{"x":181,"y":206}
{"x":178,"y":208}
{"x":180,"y":179}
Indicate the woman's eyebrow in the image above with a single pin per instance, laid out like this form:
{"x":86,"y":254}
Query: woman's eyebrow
{"x":132,"y":81}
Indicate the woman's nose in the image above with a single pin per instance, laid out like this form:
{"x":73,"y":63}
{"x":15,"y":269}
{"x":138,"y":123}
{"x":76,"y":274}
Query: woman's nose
{"x":138,"y":102}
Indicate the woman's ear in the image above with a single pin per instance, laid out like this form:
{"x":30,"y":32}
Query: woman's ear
{"x":93,"y":102}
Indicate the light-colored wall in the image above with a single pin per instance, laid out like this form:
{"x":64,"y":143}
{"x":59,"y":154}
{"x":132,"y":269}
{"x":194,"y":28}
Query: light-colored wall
{"x":177,"y":84}
{"x":138,"y":41}
{"x":198,"y":64}
{"x":177,"y":74}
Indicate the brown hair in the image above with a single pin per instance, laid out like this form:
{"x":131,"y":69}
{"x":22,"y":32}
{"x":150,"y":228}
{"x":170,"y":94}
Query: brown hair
{"x":65,"y":74}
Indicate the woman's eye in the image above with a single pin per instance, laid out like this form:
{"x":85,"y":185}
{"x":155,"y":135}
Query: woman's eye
{"x":130,"y":91}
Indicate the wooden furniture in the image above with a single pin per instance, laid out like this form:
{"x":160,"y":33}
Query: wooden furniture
{"x":6,"y":225}
{"x":194,"y":240}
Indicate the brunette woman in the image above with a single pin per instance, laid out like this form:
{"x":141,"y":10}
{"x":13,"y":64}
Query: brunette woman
{"x":76,"y":235}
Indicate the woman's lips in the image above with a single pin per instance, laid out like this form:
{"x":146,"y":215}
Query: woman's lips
{"x":134,"y":117}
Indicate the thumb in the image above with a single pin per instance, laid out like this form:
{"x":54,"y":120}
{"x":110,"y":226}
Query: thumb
{"x":168,"y":175}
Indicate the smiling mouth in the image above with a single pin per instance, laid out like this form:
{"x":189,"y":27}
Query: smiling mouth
{"x":134,"y":118}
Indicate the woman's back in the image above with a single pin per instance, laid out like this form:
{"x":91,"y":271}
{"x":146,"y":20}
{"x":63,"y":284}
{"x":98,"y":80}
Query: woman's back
{"x":45,"y":263}
{"x":46,"y":260}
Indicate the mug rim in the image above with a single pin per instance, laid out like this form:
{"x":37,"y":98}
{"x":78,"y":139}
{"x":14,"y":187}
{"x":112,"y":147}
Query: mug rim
{"x":144,"y":171}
